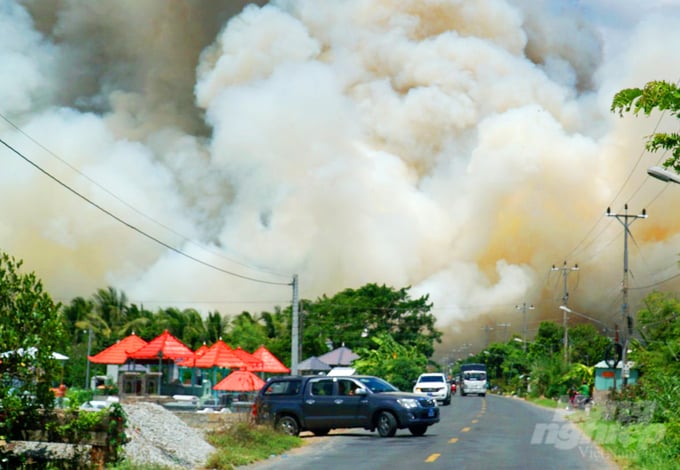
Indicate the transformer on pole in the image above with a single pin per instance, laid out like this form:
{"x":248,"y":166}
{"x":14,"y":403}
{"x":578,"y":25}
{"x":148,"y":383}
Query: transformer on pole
{"x":626,"y":220}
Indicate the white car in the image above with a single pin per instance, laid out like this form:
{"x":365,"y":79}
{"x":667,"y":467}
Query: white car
{"x":434,"y":385}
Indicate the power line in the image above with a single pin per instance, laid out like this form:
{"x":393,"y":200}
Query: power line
{"x":656,"y":283}
{"x":128,"y":205}
{"x":618,"y":193}
{"x":139,"y":231}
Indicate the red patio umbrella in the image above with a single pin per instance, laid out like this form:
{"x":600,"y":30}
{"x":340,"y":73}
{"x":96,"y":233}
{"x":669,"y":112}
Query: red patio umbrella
{"x":119,"y":352}
{"x":240,"y":381}
{"x":270,"y":363}
{"x":164,"y":346}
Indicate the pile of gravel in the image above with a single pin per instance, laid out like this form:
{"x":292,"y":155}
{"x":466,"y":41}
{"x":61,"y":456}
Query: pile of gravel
{"x":158,"y":437}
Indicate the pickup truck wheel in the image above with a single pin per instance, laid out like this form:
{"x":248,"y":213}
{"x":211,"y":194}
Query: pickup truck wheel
{"x":288,"y":425}
{"x":418,"y":429}
{"x":387,"y":424}
{"x":320,"y":431}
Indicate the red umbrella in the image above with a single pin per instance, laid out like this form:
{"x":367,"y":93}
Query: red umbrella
{"x":240,"y":381}
{"x":270,"y":363}
{"x":119,"y":352}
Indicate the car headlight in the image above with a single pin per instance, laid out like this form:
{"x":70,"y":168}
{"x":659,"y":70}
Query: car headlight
{"x":408,"y":402}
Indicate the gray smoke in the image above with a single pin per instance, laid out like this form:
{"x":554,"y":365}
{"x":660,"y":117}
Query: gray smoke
{"x":459,"y":147}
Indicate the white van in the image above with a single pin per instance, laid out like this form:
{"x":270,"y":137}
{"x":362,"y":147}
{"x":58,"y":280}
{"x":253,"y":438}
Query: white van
{"x":473,"y":379}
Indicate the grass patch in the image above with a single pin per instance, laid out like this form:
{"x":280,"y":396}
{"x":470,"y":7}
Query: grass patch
{"x":244,"y":443}
{"x":633,"y":446}
{"x":126,"y":465}
{"x":542,"y":401}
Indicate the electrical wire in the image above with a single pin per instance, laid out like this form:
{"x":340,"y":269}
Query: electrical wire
{"x":139,"y":231}
{"x":128,"y":205}
{"x":618,"y":193}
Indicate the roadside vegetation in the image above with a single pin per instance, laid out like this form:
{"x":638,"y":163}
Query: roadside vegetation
{"x":402,"y":339}
{"x":245,"y":443}
{"x":638,"y":425}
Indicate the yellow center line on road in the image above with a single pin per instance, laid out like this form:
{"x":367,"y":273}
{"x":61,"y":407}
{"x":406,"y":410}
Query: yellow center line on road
{"x":432,"y":458}
{"x":475,"y":421}
{"x":465,"y":429}
{"x":453,"y":440}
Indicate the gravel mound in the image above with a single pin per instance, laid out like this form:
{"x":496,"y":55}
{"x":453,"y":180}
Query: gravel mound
{"x":158,"y":437}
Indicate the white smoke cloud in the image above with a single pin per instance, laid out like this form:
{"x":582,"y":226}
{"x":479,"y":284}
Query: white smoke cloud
{"x":460,"y":147}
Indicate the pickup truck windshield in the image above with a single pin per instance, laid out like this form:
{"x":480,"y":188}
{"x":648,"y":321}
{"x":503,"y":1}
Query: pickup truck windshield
{"x":377,"y":385}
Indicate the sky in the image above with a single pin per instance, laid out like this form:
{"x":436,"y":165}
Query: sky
{"x":200,"y":154}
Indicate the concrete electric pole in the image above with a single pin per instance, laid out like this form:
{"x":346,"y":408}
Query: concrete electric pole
{"x":294,"y":348}
{"x":505,"y":328}
{"x":524,"y":308}
{"x":626,"y":220}
{"x":565,"y":298}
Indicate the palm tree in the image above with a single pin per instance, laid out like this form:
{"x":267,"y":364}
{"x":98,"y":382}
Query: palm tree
{"x":216,"y":327}
{"x":111,"y":306}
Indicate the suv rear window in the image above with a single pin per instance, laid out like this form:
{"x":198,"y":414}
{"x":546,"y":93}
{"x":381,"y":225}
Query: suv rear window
{"x":284,"y":387}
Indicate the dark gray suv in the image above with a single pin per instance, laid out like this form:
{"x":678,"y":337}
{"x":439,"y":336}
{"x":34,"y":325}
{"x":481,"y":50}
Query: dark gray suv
{"x":321,"y":403}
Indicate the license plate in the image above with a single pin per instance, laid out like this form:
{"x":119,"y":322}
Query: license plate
{"x":430,"y":412}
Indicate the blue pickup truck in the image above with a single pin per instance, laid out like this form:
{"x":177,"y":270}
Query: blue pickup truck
{"x":321,"y":403}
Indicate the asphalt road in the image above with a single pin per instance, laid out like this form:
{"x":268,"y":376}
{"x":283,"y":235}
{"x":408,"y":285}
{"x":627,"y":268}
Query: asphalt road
{"x":474,"y":433}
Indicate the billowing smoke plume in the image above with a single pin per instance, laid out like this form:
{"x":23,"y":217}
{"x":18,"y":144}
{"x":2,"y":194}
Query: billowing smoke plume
{"x":459,"y":147}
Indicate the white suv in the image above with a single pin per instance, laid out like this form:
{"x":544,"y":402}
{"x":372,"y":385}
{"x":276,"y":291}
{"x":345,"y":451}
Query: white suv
{"x":434,"y":385}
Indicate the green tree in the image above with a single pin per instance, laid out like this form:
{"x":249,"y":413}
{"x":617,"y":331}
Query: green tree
{"x":354,"y":316}
{"x":277,"y":327}
{"x":659,"y":329}
{"x":586,"y":344}
{"x":138,"y":321}
{"x":215,"y":327}
{"x":172,"y":319}
{"x":397,"y":363}
{"x":548,"y":340}
{"x":75,"y":314}
{"x":31,"y":328}
{"x":506,"y":363}
{"x":194,"y":333}
{"x":547,"y":376}
{"x":247,"y":331}
{"x":111,"y":306}
{"x":659,"y":95}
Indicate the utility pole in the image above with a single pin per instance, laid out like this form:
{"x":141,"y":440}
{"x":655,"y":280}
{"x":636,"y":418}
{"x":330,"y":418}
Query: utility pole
{"x":626,"y":320}
{"x":89,"y":348}
{"x":294,"y":349}
{"x":505,"y":327}
{"x":487,"y":329}
{"x":524,"y":308}
{"x":565,"y":298}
